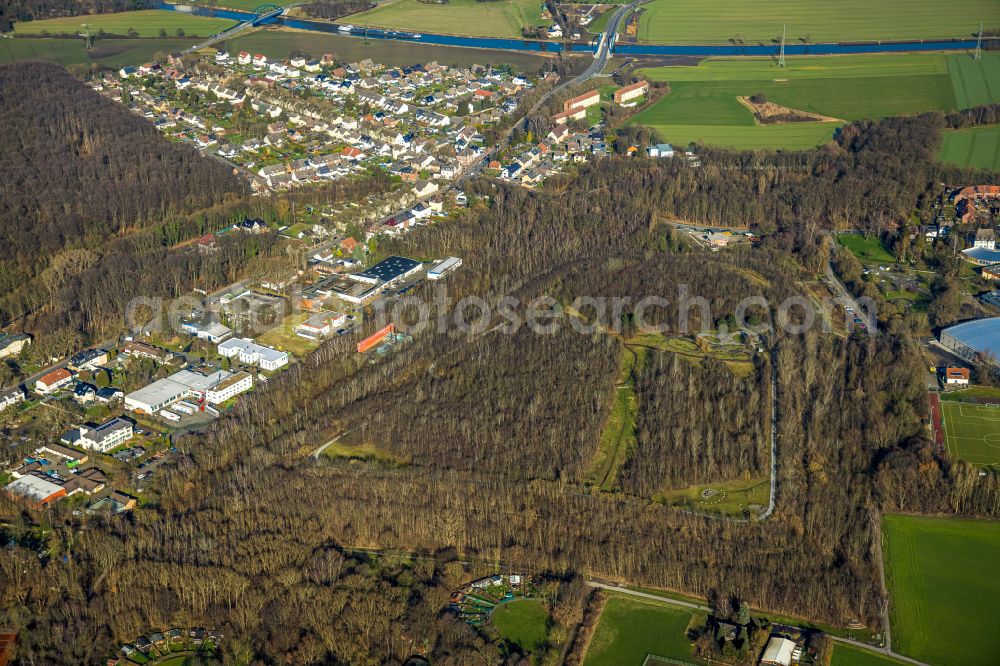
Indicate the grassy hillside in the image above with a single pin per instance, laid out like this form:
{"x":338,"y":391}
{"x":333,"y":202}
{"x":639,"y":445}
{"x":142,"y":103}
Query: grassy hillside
{"x":146,"y":22}
{"x":503,"y":18}
{"x":942,"y":579}
{"x":756,"y":21}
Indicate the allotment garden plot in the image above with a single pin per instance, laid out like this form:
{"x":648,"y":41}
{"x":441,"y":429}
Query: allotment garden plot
{"x":972,"y":432}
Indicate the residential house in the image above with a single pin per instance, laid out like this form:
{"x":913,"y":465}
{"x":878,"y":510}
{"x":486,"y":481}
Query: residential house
{"x":106,"y":436}
{"x":11,"y":396}
{"x":956,"y":376}
{"x":53,"y":381}
{"x":12,"y":344}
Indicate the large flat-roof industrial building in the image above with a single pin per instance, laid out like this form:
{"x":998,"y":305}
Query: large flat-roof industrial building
{"x":972,"y":340}
{"x":388,"y":271}
{"x":212,"y":387}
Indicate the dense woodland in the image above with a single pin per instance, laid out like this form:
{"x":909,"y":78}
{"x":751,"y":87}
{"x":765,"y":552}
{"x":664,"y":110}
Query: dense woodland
{"x":486,"y":435}
{"x":12,"y":11}
{"x":334,"y":9}
{"x":92,"y":200}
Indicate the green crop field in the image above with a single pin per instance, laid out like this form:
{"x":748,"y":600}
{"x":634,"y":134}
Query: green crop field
{"x":973,"y":146}
{"x":846,"y":655}
{"x":972,"y":432}
{"x":760,"y":21}
{"x":975,"y":82}
{"x":146,"y":22}
{"x":630,"y":628}
{"x":503,"y":18}
{"x":522,"y":621}
{"x":868,"y":249}
{"x":702,"y":103}
{"x":944,"y":588}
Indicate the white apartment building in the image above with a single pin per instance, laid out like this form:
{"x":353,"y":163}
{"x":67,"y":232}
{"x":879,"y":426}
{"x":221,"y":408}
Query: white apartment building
{"x":251,"y":353}
{"x":106,"y":436}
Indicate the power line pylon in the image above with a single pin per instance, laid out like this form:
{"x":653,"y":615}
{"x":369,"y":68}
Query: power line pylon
{"x":979,"y":43}
{"x":781,"y":52}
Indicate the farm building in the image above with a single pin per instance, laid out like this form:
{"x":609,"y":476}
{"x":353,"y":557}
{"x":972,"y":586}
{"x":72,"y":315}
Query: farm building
{"x":979,"y":337}
{"x":778,"y":652}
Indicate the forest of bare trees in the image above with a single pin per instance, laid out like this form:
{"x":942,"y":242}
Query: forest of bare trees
{"x":487,"y":435}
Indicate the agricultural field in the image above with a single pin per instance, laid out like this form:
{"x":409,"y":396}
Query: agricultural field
{"x":847,"y":655}
{"x":503,"y":18}
{"x":280,"y":43}
{"x":111,"y":52}
{"x":972,"y":432}
{"x":147,"y":23}
{"x":630,"y":628}
{"x":522,"y":621}
{"x":867,"y":250}
{"x":703,"y":105}
{"x":975,"y":82}
{"x":760,"y":21}
{"x":941,"y":577}
{"x":973,"y":146}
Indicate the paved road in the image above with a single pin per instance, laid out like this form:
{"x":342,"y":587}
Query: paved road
{"x":845,"y":297}
{"x":699,"y":607}
{"x":594,"y":69}
{"x":772,"y":501}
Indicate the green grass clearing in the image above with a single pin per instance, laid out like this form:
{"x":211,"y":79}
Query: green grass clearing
{"x":147,"y":23}
{"x":618,"y":438}
{"x":973,"y":146}
{"x":503,"y":18}
{"x":283,"y":337}
{"x":972,"y":432}
{"x":761,"y":21}
{"x":522,"y":621}
{"x":867,"y":250}
{"x":941,"y":576}
{"x":729,"y":497}
{"x":629,"y":629}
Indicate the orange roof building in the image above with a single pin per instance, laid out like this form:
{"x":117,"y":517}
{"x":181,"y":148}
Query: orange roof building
{"x":582,"y":101}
